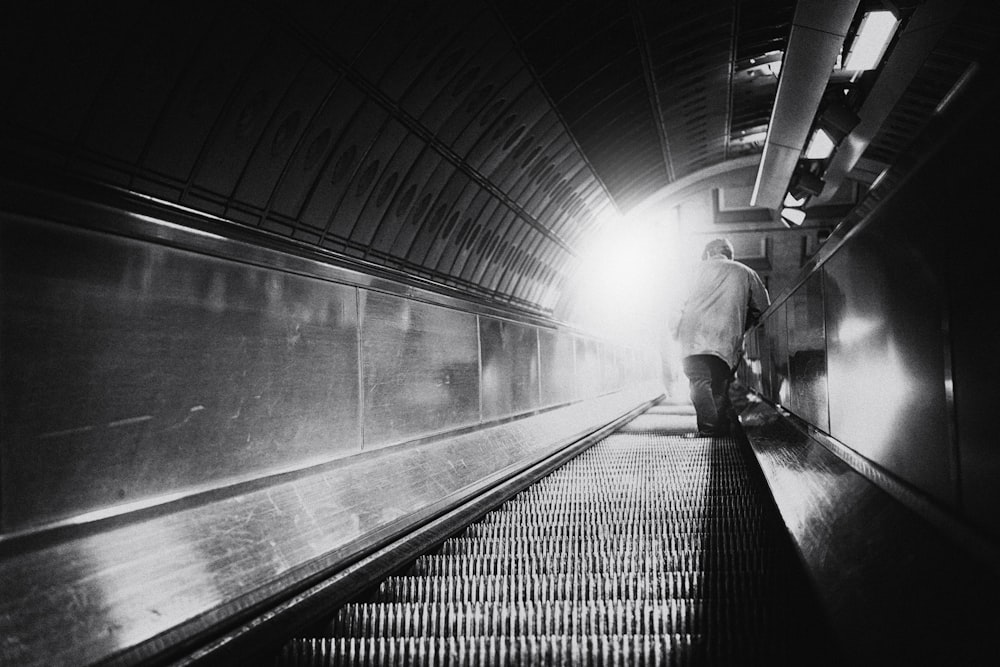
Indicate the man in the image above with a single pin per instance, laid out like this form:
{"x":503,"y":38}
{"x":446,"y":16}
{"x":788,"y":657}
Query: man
{"x":725,"y":299}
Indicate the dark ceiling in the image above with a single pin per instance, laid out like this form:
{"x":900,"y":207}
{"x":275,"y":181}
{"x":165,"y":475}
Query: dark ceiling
{"x":473,"y":143}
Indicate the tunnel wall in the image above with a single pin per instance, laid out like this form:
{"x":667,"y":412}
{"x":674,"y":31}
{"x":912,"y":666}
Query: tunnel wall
{"x":194,"y":427}
{"x":155,"y":361}
{"x":884,"y":342}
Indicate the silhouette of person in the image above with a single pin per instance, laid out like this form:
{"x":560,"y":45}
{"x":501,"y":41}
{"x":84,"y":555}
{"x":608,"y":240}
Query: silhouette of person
{"x":724,"y":299}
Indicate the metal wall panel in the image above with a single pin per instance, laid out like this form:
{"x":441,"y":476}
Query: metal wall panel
{"x":420,"y":368}
{"x":132,"y":369}
{"x":180,"y":575}
{"x":885,"y":350}
{"x":752,"y":370}
{"x":776,"y":331}
{"x":558,"y":367}
{"x":588,"y":367}
{"x":510,"y":367}
{"x":807,"y":353}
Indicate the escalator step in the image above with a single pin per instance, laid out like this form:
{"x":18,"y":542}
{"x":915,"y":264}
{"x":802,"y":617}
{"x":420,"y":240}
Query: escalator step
{"x":589,"y":586}
{"x":570,"y":618}
{"x":646,"y":549}
{"x":608,"y":563}
{"x":607,"y":651}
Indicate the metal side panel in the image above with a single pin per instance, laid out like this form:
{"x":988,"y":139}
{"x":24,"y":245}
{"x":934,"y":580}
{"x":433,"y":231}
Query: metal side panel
{"x":129,"y":589}
{"x":509,"y":353}
{"x":558,"y":367}
{"x":901,"y":581}
{"x":420,"y":369}
{"x":132,"y":370}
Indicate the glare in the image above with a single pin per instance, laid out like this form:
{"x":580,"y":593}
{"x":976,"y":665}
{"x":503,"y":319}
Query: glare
{"x":875,"y":405}
{"x":820,"y":146}
{"x":793,"y":216}
{"x":874,"y":34}
{"x":792,"y":201}
{"x":623,"y":284}
{"x":855,"y":330}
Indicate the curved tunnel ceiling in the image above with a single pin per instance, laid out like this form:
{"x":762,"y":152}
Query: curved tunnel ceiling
{"x":474,"y":143}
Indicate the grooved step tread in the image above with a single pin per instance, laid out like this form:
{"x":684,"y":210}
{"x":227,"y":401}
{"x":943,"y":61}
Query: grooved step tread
{"x":646,"y":549}
{"x":587,"y":586}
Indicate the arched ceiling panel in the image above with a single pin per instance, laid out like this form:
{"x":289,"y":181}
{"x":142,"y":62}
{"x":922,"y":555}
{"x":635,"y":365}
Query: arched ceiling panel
{"x":475,"y":143}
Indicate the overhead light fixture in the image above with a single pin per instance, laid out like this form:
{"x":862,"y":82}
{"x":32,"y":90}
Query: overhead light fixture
{"x":793,"y":201}
{"x":805,"y":183}
{"x":874,"y":34}
{"x":820,"y":146}
{"x":833,"y":124}
{"x":793,"y":216}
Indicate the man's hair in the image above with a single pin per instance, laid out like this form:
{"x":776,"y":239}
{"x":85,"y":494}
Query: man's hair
{"x":718,"y":247}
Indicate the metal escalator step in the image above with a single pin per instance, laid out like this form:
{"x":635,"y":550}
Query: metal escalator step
{"x":598,"y":617}
{"x":595,"y":530}
{"x":617,"y":545}
{"x":646,"y":549}
{"x":588,"y":586}
{"x":587,"y":651}
{"x":608,"y":563}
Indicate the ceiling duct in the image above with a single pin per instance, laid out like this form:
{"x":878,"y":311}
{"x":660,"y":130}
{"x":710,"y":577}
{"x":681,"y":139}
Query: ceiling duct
{"x":817,"y":36}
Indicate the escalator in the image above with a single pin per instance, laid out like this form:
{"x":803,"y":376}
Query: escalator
{"x":648,"y":548}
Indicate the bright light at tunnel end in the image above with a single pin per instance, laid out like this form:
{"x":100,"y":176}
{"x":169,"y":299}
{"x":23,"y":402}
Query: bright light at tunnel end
{"x":621,"y":286}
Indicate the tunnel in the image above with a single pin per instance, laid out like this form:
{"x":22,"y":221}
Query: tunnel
{"x":339,"y":333}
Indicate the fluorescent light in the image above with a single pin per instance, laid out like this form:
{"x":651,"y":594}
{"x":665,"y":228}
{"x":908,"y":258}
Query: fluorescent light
{"x":874,"y":34}
{"x":793,"y":216}
{"x":792,"y":201}
{"x":820,"y":146}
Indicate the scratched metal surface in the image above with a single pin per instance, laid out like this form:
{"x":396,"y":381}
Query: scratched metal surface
{"x":132,"y":369}
{"x":420,"y":364}
{"x":808,"y":397}
{"x":775,"y":350}
{"x":144,"y":361}
{"x":588,"y":367}
{"x":182,"y":571}
{"x":557,"y":367}
{"x":886,"y":350}
{"x":509,"y":353}
{"x":895,"y":588}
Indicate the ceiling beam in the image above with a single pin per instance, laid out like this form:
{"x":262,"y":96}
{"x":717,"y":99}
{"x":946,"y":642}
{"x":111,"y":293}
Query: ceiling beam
{"x":817,"y":36}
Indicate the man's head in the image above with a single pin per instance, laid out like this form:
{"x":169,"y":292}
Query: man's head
{"x":718,"y":248}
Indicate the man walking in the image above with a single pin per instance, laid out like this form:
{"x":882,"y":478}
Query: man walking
{"x":725,"y":299}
